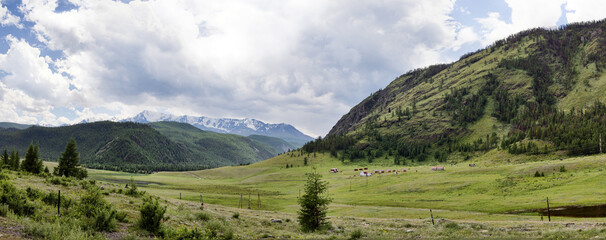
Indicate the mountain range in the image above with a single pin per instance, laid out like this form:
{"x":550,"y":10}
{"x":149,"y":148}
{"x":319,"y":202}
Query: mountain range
{"x":242,"y":127}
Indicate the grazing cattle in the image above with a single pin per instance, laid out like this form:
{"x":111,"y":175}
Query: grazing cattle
{"x":334,"y":170}
{"x":376,"y":171}
{"x":365,"y":168}
{"x":365,"y":174}
{"x":472,"y":164}
{"x":403,"y":169}
{"x":437,"y":168}
{"x":355,"y":169}
{"x":382,"y":171}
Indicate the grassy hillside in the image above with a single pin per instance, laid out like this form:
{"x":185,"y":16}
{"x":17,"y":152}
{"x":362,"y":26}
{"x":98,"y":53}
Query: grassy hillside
{"x":277,"y":143}
{"x":523,"y":93}
{"x":215,"y":149}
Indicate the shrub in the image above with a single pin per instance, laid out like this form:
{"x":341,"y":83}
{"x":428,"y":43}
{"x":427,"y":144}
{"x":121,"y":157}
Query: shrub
{"x":203,"y":216}
{"x":151,"y":215}
{"x":356,"y":234}
{"x":66,"y":229}
{"x":562,"y":168}
{"x":4,"y":210}
{"x":33,"y":193}
{"x":235,"y":215}
{"x":121,"y":216}
{"x":96,"y":212}
{"x":132,"y":188}
{"x":216,"y":230}
{"x":452,"y":225}
{"x":15,"y":199}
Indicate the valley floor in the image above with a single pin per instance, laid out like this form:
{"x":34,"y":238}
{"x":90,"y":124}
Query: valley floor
{"x":466,"y":202}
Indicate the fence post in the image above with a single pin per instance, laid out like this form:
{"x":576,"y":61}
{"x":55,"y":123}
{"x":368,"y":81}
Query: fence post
{"x":59,"y":204}
{"x":548,"y":212}
{"x":248,"y":200}
{"x":432,"y":222}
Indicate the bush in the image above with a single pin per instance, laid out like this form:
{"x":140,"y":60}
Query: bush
{"x":235,"y":215}
{"x":356,"y":234}
{"x":15,"y":199}
{"x":203,"y":216}
{"x":33,"y":193}
{"x":66,"y":229}
{"x":121,"y":216}
{"x":96,"y":212}
{"x":132,"y":188}
{"x":4,"y":210}
{"x":452,"y":225}
{"x":151,"y":215}
{"x":216,"y":230}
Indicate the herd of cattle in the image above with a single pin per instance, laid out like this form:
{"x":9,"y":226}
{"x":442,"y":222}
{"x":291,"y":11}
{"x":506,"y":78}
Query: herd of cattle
{"x":365,"y":172}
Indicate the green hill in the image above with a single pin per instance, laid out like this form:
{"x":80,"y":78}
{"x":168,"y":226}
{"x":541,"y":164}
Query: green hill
{"x":538,"y":91}
{"x":135,"y":147}
{"x":277,"y":143}
{"x":217,"y":149}
{"x":105,"y":145}
{"x":7,"y":125}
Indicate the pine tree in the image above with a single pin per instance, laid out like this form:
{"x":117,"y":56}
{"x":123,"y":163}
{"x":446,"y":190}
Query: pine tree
{"x":5,"y":159}
{"x":32,"y":162}
{"x":314,"y":204}
{"x":69,"y":161}
{"x":15,"y":160}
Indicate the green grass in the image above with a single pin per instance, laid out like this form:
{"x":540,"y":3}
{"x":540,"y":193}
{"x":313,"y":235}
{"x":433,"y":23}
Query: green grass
{"x":460,"y":192}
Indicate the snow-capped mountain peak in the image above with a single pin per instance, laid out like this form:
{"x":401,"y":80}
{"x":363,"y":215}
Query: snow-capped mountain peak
{"x":243,"y":127}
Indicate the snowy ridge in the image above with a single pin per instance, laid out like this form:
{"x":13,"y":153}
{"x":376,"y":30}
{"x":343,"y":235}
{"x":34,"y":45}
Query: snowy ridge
{"x":243,"y":127}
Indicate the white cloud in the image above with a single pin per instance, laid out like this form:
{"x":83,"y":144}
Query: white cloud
{"x":524,"y":15}
{"x":301,"y":62}
{"x":7,"y":18}
{"x":585,"y":10}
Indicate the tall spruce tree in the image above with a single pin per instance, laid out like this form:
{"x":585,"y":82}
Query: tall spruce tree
{"x":5,"y":157}
{"x":69,"y":161}
{"x":15,"y":161}
{"x":32,"y":162}
{"x":314,"y":204}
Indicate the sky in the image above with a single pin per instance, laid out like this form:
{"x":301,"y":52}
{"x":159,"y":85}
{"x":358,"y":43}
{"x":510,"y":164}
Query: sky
{"x":302,"y":62}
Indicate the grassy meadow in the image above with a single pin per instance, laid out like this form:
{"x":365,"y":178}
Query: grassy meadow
{"x":466,"y":202}
{"x":484,"y":192}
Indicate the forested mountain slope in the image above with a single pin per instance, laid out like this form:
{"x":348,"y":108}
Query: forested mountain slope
{"x":537,"y":91}
{"x":137,"y":147}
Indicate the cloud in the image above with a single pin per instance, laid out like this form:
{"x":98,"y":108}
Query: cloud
{"x":301,"y":62}
{"x":524,"y":15}
{"x":585,"y":10}
{"x":8,"y":19}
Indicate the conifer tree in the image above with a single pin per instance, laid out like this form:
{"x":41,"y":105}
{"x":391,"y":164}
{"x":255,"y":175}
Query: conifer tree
{"x":5,"y":157}
{"x":69,"y":162}
{"x":314,"y":204}
{"x":15,"y":160}
{"x":32,"y":162}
